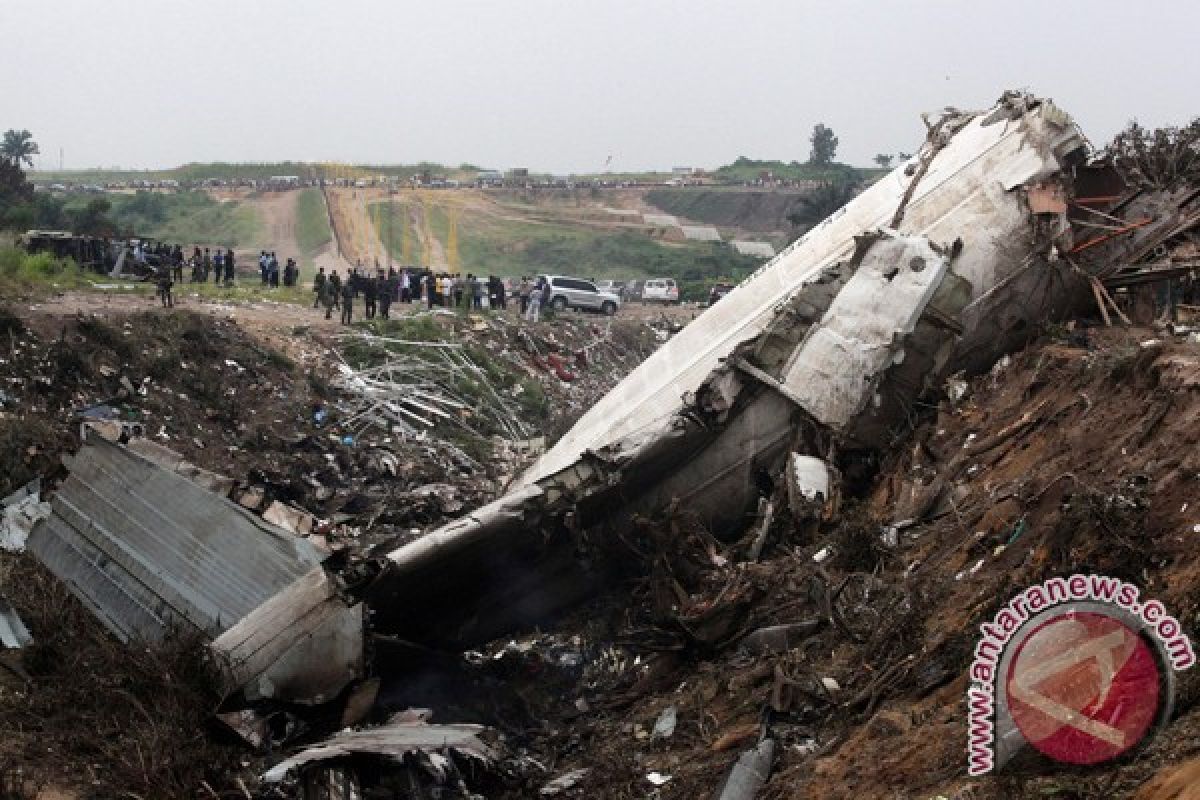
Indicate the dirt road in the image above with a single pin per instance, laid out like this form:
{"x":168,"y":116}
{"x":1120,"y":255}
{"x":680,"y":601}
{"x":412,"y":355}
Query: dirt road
{"x":277,"y":323}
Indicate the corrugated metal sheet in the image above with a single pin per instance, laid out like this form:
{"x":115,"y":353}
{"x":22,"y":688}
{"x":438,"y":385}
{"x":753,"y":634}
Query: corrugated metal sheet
{"x":149,"y":551}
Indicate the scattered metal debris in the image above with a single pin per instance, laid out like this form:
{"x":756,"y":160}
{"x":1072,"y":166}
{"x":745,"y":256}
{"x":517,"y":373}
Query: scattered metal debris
{"x":13,"y":633}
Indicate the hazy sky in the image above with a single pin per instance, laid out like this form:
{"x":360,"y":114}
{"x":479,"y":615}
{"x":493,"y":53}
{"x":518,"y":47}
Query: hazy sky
{"x":561,"y":86}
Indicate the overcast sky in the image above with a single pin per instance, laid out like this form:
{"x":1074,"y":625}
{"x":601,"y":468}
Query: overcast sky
{"x":561,"y":86}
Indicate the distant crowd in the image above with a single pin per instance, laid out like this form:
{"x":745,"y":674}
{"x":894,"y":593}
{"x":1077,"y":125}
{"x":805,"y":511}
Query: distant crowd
{"x":379,"y":291}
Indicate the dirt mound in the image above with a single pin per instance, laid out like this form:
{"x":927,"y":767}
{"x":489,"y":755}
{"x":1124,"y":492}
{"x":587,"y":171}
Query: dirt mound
{"x":1075,"y":454}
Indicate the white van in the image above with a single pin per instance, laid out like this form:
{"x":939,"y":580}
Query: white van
{"x":660,"y":290}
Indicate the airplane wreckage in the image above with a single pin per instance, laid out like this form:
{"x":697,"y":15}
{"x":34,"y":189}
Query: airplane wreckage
{"x":798,"y":378}
{"x":818,"y":357}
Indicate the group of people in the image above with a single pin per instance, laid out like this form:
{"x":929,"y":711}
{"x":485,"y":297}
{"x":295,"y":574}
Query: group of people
{"x":405,"y":285}
{"x":533,"y":295}
{"x":220,"y":264}
{"x":378,"y":292}
{"x":268,"y":267}
{"x":445,"y":289}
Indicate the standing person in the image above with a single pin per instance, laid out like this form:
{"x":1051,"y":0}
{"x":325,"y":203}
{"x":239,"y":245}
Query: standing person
{"x":164,"y":286}
{"x":318,"y":286}
{"x":533,"y":313}
{"x":328,"y":297}
{"x":263,"y":264}
{"x":427,"y":289}
{"x":492,"y":293}
{"x":335,"y":283}
{"x":218,"y":266}
{"x":229,"y":266}
{"x":405,"y":286}
{"x":523,"y":292}
{"x":273,"y":270}
{"x":387,"y":293}
{"x":177,"y":262}
{"x":370,"y":290}
{"x":208,"y":265}
{"x":347,"y":303}
{"x":476,"y":287}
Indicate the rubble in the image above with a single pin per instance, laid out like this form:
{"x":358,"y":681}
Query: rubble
{"x":21,"y":510}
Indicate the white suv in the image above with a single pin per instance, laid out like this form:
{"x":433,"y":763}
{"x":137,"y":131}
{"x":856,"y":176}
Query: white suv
{"x":567,"y":292}
{"x":660,"y":290}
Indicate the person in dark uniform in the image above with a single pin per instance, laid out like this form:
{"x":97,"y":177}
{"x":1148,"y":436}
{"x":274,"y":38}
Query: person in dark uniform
{"x":229,"y":266}
{"x":347,"y":303}
{"x":164,"y":286}
{"x":335,"y":282}
{"x":370,"y":290}
{"x":328,"y":298}
{"x":318,"y":285}
{"x":387,"y":293}
{"x":177,"y":263}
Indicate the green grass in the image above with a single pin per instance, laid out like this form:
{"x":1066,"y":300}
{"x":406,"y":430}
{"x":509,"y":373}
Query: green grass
{"x":312,"y":224}
{"x":21,"y":271}
{"x":190,"y":218}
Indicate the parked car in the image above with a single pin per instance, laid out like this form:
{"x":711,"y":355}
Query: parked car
{"x":660,"y":290}
{"x":615,"y":287}
{"x":718,"y":291}
{"x":567,"y":292}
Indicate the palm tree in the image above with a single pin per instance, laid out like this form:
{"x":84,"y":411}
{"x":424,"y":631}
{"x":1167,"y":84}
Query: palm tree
{"x":18,"y":146}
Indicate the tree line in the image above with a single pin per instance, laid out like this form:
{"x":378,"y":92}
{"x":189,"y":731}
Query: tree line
{"x":21,"y":208}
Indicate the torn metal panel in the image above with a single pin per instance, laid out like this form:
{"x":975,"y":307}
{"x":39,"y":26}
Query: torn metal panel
{"x":834,"y":372}
{"x":151,"y":552}
{"x":304,"y":645}
{"x":19,"y":512}
{"x":812,"y":487}
{"x":13,"y":633}
{"x":391,"y":742}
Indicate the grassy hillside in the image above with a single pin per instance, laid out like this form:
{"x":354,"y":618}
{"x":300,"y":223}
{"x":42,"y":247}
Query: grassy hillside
{"x":186,"y":217}
{"x":491,"y":245}
{"x":762,"y":211}
{"x":749,"y":169}
{"x":312,"y":222}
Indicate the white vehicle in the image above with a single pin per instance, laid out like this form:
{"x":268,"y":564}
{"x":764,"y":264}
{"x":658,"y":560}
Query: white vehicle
{"x":660,"y":290}
{"x":567,"y":292}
